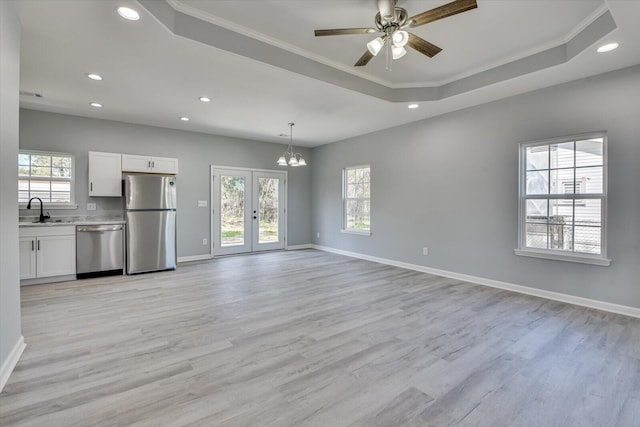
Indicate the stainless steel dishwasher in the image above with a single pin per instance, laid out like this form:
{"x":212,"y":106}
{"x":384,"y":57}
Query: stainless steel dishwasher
{"x":99,"y":250}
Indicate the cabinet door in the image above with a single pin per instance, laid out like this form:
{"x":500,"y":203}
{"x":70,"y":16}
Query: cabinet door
{"x":133,"y":163}
{"x":105,"y":174}
{"x":164,"y":165}
{"x":27,"y":258}
{"x":56,"y":255}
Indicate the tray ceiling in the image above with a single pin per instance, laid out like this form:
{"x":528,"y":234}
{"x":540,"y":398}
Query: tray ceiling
{"x":260,"y":63}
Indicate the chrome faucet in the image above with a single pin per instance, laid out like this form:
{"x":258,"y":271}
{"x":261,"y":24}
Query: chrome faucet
{"x":43,"y":217}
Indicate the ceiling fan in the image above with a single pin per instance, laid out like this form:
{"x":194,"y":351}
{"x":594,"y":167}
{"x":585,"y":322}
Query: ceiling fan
{"x":391,"y":21}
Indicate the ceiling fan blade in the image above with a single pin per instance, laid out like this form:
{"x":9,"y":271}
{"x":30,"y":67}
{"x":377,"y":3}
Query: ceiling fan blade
{"x":444,"y":11}
{"x":344,"y":31}
{"x":364,"y":59}
{"x":423,"y":46}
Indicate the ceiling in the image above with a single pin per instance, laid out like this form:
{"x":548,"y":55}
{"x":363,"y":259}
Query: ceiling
{"x":262,"y":67}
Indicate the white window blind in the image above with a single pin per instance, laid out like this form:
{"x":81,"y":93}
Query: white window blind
{"x":49,"y":176}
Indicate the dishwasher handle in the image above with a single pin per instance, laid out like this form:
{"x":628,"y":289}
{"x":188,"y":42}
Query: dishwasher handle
{"x":99,"y":228}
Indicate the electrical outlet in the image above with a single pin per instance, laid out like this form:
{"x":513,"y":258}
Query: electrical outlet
{"x":91,"y":206}
{"x":318,"y":235}
{"x":204,"y":242}
{"x":425,"y":251}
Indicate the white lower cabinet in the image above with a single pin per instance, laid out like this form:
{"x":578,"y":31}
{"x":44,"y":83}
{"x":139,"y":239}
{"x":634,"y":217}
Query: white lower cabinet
{"x":47,"y":251}
{"x":27,"y":258}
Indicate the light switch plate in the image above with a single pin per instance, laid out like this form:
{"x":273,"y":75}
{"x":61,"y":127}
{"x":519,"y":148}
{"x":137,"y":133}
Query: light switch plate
{"x":202,"y":203}
{"x":91,"y":206}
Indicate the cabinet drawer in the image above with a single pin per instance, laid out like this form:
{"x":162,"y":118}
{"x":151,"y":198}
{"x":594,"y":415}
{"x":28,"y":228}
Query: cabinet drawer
{"x":47,"y":230}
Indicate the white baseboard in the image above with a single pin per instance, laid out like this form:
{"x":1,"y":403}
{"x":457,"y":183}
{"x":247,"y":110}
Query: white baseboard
{"x":556,"y":296}
{"x":194,"y":258}
{"x":11,"y":362}
{"x":43,"y":280}
{"x":298,"y":247}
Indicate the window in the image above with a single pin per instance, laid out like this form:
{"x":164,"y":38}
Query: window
{"x":49,"y":176}
{"x":356,"y":196}
{"x":563,"y":199}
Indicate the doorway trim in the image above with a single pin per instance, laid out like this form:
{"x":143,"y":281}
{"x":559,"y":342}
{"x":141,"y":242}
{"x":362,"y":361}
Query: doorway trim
{"x":213,"y":202}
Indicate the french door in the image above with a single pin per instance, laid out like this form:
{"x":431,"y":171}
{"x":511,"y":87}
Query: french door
{"x":248,"y":210}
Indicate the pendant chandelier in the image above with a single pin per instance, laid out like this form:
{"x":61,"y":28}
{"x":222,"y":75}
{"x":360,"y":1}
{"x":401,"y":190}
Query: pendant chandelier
{"x":289,"y":157}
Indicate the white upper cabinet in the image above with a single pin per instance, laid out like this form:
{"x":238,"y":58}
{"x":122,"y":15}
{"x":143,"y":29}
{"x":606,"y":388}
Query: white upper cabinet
{"x":133,"y":163}
{"x":105,"y":174}
{"x":164,"y":165}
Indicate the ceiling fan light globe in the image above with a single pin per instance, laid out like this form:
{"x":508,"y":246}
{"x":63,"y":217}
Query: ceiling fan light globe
{"x":302,"y":162}
{"x":282,"y":161}
{"x":398,"y":52}
{"x":293,"y":162}
{"x":375,"y":45}
{"x":400,"y":38}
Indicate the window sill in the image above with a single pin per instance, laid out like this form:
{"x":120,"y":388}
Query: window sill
{"x":561,"y":256}
{"x":357,"y":232}
{"x":49,"y":206}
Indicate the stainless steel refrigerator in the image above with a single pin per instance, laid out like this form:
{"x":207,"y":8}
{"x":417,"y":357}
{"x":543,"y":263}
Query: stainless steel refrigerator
{"x":150,"y":209}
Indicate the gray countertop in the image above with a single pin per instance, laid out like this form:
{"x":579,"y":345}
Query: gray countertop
{"x":58,"y":222}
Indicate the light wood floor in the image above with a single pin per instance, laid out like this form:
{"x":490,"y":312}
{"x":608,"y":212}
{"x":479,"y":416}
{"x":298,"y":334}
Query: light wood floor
{"x":308,"y":338}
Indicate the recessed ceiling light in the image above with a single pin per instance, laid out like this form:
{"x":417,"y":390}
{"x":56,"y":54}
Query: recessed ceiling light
{"x":96,"y":104}
{"x":412,"y":106}
{"x":205,"y":99}
{"x":184,"y":119}
{"x":94,"y":76}
{"x":128,"y":13}
{"x":608,"y":47}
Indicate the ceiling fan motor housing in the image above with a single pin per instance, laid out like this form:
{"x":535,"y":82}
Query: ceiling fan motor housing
{"x":399,"y":19}
{"x":387,"y":9}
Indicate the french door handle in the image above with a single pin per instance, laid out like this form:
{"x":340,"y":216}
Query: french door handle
{"x":38,"y":244}
{"x":33,"y":242}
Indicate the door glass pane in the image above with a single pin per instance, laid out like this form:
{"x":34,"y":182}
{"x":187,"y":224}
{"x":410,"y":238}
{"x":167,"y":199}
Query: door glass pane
{"x":232,"y":210}
{"x":268,"y":199}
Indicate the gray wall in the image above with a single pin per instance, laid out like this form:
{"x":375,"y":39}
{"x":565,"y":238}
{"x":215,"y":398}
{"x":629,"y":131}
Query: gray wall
{"x":9,"y":270}
{"x":195,"y":151}
{"x":451,"y":183}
